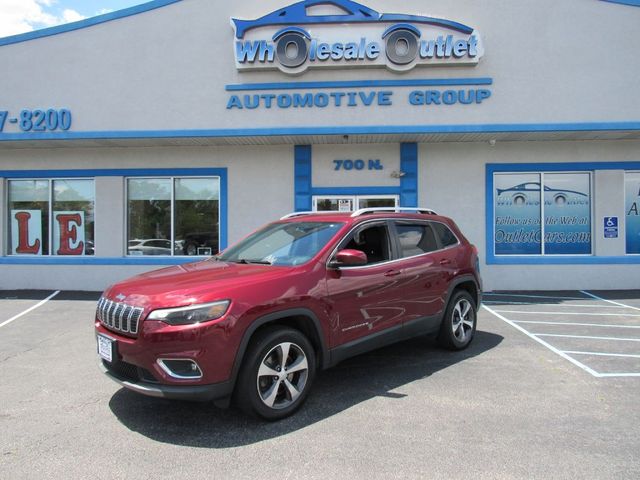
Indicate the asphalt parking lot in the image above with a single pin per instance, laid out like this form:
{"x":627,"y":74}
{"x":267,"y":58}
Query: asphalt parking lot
{"x":549,"y":388}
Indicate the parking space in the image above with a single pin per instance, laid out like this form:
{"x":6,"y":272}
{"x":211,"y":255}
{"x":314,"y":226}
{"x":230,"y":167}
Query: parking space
{"x":598,"y":332}
{"x":19,"y":303}
{"x":504,"y":408}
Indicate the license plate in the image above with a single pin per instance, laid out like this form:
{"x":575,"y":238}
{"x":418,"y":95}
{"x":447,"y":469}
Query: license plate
{"x":105,"y":347}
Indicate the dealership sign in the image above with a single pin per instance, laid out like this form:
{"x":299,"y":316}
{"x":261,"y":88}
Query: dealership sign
{"x":343,"y":33}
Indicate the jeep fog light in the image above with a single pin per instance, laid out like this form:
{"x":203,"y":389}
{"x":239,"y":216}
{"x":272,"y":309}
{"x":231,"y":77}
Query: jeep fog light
{"x":191,"y":314}
{"x":180,"y":368}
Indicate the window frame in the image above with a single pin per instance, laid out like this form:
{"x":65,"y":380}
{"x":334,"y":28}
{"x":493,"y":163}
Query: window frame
{"x":543,"y":222}
{"x":394,"y":242}
{"x":122,"y":173}
{"x":578,"y":167}
{"x":172,"y":224}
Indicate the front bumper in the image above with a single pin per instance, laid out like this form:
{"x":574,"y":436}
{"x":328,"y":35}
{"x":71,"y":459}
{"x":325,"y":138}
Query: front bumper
{"x":198,"y":393}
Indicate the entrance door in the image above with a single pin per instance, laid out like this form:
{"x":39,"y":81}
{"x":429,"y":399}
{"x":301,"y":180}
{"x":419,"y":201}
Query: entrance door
{"x":349,"y":203}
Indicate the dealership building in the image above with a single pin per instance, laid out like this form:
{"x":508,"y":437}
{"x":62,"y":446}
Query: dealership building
{"x":160,"y":134}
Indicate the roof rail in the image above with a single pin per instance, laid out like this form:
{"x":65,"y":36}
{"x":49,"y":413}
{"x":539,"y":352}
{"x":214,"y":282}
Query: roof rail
{"x":363,"y":211}
{"x":297,"y":214}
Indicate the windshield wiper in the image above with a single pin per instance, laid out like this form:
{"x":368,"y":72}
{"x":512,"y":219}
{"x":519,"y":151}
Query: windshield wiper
{"x":246,"y":261}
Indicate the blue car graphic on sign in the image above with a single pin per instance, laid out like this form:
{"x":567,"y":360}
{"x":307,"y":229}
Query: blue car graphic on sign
{"x":314,"y":33}
{"x":560,"y":196}
{"x":535,"y":187}
{"x":296,"y":14}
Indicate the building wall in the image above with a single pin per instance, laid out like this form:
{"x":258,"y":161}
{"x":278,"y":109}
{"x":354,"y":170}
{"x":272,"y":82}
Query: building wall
{"x":260,"y":186}
{"x":170,"y":72}
{"x":452,"y":181}
{"x":167,"y":69}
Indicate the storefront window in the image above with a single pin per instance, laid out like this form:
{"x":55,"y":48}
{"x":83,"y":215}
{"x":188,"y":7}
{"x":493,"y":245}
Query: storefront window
{"x":567,"y":213}
{"x":197,"y":210}
{"x":517,"y":221}
{"x":173,"y":216}
{"x":632,"y":209}
{"x":65,"y":229}
{"x":520,"y":209}
{"x":149,"y":216}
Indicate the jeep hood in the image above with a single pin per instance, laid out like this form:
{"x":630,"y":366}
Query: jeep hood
{"x":191,"y":283}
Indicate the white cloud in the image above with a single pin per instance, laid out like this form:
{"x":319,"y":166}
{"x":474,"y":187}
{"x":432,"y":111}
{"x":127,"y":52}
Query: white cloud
{"x":19,"y":16}
{"x":69,"y":15}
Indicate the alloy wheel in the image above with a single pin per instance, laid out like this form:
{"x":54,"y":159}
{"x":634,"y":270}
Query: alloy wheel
{"x":463,"y":320}
{"x":282,"y":375}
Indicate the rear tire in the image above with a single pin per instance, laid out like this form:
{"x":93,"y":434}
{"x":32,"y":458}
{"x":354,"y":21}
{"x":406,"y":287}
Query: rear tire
{"x":276,"y":374}
{"x":459,"y":323}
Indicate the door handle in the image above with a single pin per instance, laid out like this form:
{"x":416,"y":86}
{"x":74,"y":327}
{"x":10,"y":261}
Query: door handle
{"x":445,"y":261}
{"x":392,"y":273}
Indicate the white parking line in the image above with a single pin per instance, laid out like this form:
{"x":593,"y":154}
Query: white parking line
{"x":586,"y":336}
{"x":530,"y":296}
{"x":599,"y":354}
{"x":498,"y":302}
{"x":577,"y":324}
{"x":609,"y":301}
{"x":571,"y":313}
{"x":542,"y":342}
{"x":39,"y":304}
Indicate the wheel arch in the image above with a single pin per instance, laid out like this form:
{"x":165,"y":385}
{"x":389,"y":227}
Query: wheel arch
{"x":301,"y":319}
{"x":466,"y":283}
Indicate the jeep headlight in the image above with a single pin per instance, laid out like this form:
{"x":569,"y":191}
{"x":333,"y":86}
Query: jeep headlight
{"x":203,"y":312}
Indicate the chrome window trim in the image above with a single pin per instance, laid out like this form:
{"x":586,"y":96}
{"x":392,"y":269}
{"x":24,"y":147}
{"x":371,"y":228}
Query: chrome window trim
{"x":378,"y":220}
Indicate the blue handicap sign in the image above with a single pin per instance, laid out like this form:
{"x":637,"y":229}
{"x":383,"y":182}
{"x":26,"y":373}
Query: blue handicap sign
{"x":610,"y":227}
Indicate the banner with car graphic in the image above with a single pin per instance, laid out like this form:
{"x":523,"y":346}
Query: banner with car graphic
{"x":519,"y":211}
{"x":632,"y":209}
{"x":567,"y":213}
{"x":517,"y":214}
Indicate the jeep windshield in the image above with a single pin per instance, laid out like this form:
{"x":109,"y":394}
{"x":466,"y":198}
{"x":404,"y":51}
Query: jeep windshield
{"x":285,"y":244}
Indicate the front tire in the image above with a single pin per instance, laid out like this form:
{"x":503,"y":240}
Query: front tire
{"x":459,"y":323}
{"x":277,"y":373}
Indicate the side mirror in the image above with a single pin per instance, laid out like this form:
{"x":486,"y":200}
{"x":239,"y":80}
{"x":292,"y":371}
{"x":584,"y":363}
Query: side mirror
{"x":349,"y":258}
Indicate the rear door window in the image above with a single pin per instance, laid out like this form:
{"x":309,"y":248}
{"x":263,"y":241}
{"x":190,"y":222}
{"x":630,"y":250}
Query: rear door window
{"x":415,"y":239}
{"x":444,"y":234}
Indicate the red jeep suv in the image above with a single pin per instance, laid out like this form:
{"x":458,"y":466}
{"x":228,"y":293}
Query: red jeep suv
{"x":255,"y":322}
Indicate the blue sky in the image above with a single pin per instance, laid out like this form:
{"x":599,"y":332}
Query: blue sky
{"x":19,"y":16}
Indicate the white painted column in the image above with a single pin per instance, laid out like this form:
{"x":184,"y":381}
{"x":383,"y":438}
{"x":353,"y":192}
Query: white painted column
{"x":609,"y":202}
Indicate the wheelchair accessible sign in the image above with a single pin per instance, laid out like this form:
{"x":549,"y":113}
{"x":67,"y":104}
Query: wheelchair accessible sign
{"x":610,"y":227}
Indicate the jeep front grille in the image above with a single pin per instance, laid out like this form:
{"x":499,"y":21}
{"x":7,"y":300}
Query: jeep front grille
{"x":118,"y":316}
